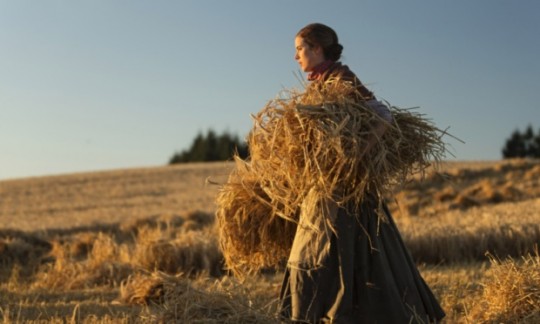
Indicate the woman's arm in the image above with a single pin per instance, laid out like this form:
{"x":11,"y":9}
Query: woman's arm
{"x":381,"y":125}
{"x":379,"y":131}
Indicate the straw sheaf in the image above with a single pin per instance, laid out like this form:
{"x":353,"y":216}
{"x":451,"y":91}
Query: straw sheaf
{"x":315,"y":141}
{"x":252,"y":235}
{"x":175,"y":299}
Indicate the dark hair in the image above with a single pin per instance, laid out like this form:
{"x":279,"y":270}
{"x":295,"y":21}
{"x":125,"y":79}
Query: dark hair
{"x":317,"y":34}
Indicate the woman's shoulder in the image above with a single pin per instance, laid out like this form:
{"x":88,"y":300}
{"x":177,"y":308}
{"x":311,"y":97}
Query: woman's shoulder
{"x":339,"y":71}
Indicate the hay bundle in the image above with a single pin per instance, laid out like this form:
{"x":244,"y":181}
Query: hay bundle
{"x":316,"y":141}
{"x":511,"y":293}
{"x":175,"y":299}
{"x":194,"y":252}
{"x":252,"y":235}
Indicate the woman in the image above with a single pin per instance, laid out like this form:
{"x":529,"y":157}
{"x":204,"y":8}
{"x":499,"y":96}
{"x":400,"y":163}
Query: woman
{"x":361,"y":271}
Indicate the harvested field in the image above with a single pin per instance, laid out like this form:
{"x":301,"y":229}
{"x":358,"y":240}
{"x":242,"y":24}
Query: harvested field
{"x":91,"y":199}
{"x":140,"y":246}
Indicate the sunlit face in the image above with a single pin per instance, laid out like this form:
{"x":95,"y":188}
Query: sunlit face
{"x":308,"y":57}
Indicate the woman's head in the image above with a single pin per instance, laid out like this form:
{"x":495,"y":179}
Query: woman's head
{"x":319,"y":37}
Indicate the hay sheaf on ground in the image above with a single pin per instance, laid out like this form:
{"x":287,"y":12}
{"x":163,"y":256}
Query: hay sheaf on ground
{"x":175,"y":299}
{"x":315,"y":145}
{"x":512,"y":292}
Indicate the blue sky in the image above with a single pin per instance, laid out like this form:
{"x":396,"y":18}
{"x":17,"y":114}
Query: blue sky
{"x":96,"y":85}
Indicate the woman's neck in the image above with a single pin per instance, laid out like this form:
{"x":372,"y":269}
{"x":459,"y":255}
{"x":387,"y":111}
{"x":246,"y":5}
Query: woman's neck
{"x":319,"y":70}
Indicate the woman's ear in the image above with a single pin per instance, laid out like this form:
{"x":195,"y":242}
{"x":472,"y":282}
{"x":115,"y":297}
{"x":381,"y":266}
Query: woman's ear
{"x":319,"y":52}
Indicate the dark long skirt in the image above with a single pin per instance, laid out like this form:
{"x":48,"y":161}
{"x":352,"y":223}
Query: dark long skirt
{"x":361,"y":272}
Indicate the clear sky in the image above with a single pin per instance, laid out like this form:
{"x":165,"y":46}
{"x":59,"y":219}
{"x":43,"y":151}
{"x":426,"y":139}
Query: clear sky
{"x":96,"y":85}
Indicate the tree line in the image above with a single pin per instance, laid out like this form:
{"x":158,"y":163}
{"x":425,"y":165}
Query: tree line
{"x":522,"y":144}
{"x":211,"y":147}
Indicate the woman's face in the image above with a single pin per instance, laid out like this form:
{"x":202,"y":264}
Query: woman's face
{"x":308,"y":57}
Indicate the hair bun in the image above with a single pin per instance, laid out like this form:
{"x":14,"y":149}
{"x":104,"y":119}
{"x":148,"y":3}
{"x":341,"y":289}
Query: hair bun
{"x":334,"y":51}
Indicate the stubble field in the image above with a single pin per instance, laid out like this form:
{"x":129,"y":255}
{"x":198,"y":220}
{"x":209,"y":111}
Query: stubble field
{"x":140,"y":245}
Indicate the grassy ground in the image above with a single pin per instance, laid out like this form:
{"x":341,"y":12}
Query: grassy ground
{"x":140,"y":246}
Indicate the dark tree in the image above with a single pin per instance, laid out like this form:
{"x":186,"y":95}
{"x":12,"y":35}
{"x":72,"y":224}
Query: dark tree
{"x":528,"y":139}
{"x":535,"y":145}
{"x":521,"y":145}
{"x":211,"y":147}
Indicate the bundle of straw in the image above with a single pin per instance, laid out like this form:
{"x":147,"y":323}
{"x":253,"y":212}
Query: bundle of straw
{"x":314,"y":142}
{"x":252,"y":235}
{"x":177,"y":299}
